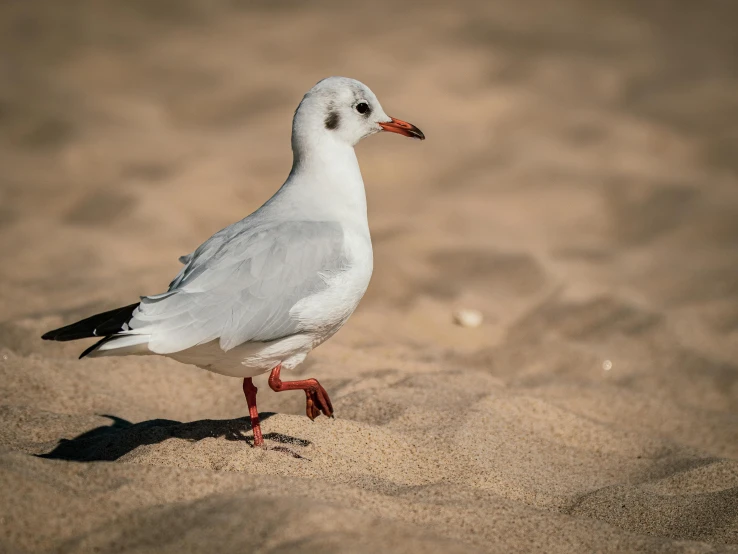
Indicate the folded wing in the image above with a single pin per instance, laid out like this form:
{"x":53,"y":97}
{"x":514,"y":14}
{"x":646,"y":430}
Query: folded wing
{"x":242,"y":287}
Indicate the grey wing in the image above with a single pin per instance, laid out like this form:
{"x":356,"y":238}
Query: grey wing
{"x":241,"y":288}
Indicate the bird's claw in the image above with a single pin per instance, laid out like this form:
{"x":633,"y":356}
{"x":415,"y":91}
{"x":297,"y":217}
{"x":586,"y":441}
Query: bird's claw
{"x":317,"y":402}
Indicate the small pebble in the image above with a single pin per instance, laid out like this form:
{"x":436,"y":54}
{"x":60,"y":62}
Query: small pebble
{"x":468,"y":318}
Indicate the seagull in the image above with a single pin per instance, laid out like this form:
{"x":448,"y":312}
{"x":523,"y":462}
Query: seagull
{"x":260,"y":294}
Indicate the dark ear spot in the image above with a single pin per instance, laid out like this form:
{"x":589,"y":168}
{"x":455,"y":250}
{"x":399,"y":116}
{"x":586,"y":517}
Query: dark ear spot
{"x":332,"y":120}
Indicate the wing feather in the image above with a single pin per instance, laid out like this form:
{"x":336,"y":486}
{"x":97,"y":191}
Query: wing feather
{"x":240,"y":287}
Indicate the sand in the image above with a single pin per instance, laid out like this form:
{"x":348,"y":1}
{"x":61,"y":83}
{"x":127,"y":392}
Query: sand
{"x":579,"y":187}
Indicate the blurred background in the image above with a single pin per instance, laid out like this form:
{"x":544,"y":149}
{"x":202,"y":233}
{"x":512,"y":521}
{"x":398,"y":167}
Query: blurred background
{"x":579,"y":187}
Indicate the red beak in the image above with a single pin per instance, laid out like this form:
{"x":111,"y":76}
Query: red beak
{"x":403,"y":128}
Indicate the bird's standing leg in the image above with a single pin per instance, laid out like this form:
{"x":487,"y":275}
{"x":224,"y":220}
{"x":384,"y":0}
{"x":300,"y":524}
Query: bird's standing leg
{"x":249,"y":390}
{"x":317,"y":397}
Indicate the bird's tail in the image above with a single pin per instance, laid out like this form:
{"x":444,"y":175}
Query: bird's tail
{"x":105,"y":325}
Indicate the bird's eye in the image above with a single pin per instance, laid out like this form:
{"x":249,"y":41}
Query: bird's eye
{"x":362,"y":107}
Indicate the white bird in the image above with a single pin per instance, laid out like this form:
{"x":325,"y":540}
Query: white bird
{"x":260,"y":294}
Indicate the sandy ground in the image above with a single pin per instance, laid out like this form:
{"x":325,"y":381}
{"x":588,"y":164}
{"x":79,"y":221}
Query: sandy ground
{"x":579,"y":186}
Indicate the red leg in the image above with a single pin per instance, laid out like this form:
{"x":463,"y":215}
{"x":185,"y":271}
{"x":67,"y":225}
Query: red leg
{"x":317,"y":397}
{"x":249,"y":390}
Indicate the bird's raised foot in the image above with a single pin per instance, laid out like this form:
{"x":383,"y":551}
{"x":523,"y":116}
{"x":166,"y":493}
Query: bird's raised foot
{"x":317,"y":401}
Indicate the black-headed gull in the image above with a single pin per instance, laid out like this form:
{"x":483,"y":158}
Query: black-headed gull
{"x":259,"y":295}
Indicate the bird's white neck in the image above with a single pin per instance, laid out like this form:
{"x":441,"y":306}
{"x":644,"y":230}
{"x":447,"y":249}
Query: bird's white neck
{"x":325,"y":180}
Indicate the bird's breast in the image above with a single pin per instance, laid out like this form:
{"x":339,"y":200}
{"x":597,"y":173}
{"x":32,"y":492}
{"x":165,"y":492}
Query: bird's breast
{"x":326,"y":311}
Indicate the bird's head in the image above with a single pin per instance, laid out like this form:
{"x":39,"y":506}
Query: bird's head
{"x":345,"y":110}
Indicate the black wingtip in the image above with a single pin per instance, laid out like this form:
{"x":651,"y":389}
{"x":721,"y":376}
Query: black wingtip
{"x":66,"y":334}
{"x":98,"y":325}
{"x":55,"y":334}
{"x":95,"y":347}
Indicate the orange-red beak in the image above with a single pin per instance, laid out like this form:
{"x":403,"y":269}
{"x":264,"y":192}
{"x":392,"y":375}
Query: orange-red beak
{"x":403,"y":128}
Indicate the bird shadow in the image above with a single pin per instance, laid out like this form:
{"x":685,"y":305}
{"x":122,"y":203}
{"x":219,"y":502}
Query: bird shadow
{"x":110,"y":442}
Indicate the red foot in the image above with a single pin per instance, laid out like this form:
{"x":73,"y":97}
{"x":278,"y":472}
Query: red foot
{"x":249,"y":390}
{"x":317,"y":397}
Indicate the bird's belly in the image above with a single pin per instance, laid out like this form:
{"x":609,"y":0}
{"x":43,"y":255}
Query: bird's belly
{"x":248,"y":359}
